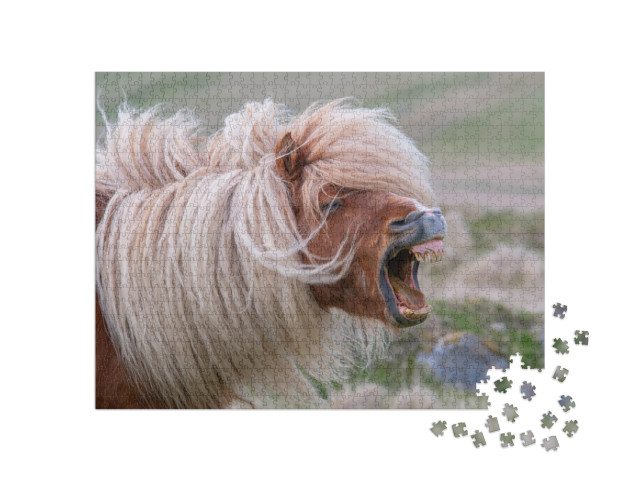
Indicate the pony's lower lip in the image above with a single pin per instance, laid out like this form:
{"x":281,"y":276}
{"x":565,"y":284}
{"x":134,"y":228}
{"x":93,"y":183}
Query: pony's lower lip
{"x":415,"y":315}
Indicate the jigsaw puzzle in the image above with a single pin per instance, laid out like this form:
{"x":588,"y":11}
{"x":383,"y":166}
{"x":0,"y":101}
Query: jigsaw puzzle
{"x":528,"y":390}
{"x":582,"y":337}
{"x":502,"y":385}
{"x":527,"y":439}
{"x":459,"y":430}
{"x":318,"y":240}
{"x":506,"y":439}
{"x":560,"y":374}
{"x":492,"y":424}
{"x":550,"y":443}
{"x":510,"y":412}
{"x":559,"y":310}
{"x":561,"y":347}
{"x":439,"y":428}
{"x":478,"y":439}
{"x":548,"y":420}
{"x":570,"y":428}
{"x":567,"y":403}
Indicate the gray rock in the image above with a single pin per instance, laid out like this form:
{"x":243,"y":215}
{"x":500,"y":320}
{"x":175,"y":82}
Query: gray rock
{"x":463,"y":362}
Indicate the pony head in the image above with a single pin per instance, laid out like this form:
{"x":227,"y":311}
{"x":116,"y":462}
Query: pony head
{"x":353,"y":182}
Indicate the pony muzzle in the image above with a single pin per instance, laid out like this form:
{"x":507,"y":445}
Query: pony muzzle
{"x":420,"y":239}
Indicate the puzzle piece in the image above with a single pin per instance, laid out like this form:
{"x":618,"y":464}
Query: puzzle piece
{"x":492,"y":424}
{"x":528,"y":390}
{"x":502,"y":385}
{"x":570,"y":428}
{"x":582,"y":337}
{"x":561,"y":347}
{"x":459,"y":430}
{"x":478,"y":439}
{"x":560,"y":374}
{"x":550,"y":443}
{"x":510,"y":412}
{"x":507,"y":439}
{"x":527,"y":438}
{"x":439,"y":428}
{"x":559,"y":310}
{"x":548,"y":420}
{"x":567,"y":403}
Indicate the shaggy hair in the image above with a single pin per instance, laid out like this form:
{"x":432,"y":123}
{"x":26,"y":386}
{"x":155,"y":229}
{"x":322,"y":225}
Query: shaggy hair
{"x":199,"y":268}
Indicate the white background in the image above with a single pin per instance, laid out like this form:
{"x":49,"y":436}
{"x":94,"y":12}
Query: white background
{"x":49,"y":428}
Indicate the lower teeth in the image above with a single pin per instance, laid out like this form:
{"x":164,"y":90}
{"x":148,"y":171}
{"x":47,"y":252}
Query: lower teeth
{"x":411,"y":314}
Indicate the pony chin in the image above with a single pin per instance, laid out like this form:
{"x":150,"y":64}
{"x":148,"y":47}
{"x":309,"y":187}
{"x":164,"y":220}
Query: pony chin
{"x":233,"y":267}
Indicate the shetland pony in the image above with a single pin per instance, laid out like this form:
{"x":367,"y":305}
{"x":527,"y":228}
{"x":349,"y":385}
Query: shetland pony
{"x":235,"y":267}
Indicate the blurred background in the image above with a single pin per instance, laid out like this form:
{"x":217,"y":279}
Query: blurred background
{"x":484,"y":135}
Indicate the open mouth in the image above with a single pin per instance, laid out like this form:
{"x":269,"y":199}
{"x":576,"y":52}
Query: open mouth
{"x":407,"y":304}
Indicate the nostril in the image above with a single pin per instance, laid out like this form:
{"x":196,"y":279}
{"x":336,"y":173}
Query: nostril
{"x":406,"y":223}
{"x":413,"y":216}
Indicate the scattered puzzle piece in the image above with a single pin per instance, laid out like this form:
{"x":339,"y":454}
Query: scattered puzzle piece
{"x":559,"y":310}
{"x":582,"y":337}
{"x":567,"y":403}
{"x":561,"y":347}
{"x":502,"y":385}
{"x":478,"y":439}
{"x":548,"y":420}
{"x":459,"y":430}
{"x":560,"y":374}
{"x":527,"y":438}
{"x":570,"y":428}
{"x":492,"y":424}
{"x":528,"y":390}
{"x":439,"y":428}
{"x":510,"y":412}
{"x":507,"y":439}
{"x":550,"y":443}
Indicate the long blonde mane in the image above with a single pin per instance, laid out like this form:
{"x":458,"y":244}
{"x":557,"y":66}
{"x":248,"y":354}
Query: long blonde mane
{"x":199,"y":271}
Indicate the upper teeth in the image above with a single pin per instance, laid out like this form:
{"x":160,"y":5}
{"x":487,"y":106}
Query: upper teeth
{"x":428,"y":255}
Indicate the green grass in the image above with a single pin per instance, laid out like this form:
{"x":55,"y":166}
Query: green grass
{"x":479,"y":316}
{"x":510,"y":123}
{"x":508,"y":227}
{"x":513,"y":126}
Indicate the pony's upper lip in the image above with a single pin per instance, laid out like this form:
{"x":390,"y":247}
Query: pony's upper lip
{"x":406,"y":304}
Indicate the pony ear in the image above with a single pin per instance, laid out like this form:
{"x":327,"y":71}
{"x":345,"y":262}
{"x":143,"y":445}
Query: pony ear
{"x":289,"y":161}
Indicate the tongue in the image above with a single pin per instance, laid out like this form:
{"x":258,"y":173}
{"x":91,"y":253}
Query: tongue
{"x":406,"y":294}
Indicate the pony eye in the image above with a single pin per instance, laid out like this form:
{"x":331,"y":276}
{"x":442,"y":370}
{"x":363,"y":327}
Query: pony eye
{"x":331,"y":206}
